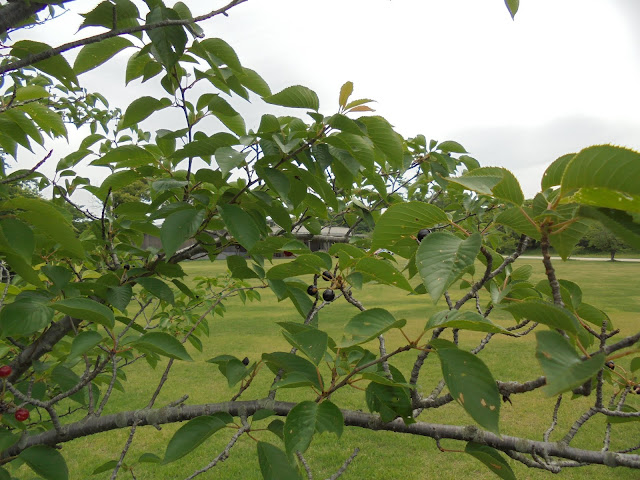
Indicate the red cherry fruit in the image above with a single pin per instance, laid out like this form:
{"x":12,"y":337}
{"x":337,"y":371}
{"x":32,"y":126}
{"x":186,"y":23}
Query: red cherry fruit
{"x":287,"y":253}
{"x":21,"y":414}
{"x":5,"y":371}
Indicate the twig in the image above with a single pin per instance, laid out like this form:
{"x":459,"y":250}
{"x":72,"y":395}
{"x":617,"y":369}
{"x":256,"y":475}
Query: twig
{"x":345,"y":465}
{"x":31,"y":59}
{"x":16,"y":178}
{"x":225,"y":453}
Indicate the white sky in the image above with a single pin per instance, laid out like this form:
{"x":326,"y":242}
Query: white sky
{"x":564,"y":75}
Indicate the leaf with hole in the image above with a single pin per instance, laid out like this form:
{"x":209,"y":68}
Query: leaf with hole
{"x":471,"y":384}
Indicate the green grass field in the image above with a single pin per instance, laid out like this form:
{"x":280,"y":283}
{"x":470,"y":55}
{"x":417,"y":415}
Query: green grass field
{"x":251,"y":329}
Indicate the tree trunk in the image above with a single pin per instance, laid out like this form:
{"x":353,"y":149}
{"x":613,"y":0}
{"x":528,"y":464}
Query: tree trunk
{"x":613,"y":254}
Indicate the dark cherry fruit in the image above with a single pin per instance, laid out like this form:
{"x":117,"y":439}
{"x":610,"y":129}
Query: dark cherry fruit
{"x":327,"y":275}
{"x":423,"y":233}
{"x":21,"y":414}
{"x":328,"y":295}
{"x":610,"y":364}
{"x":312,"y":290}
{"x":245,"y":361}
{"x":5,"y":371}
{"x":636,"y":389}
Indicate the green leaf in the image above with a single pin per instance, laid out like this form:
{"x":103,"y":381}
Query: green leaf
{"x":604,"y":176}
{"x":494,"y":181}
{"x":442,"y":259}
{"x":48,"y":120}
{"x":191,"y":435}
{"x":522,"y":273}
{"x":168,"y":42}
{"x":309,"y":417}
{"x":491,"y":458}
{"x":254,"y":82}
{"x":312,"y":342}
{"x":239,"y":269}
{"x":116,"y":181}
{"x":385,"y":138}
{"x":545,"y":313}
{"x":24,"y":317}
{"x":178,"y":227}
{"x":140,"y":109}
{"x":553,"y":174}
{"x":46,"y":462}
{"x":449,"y":146}
{"x":94,"y":54}
{"x":515,"y":218}
{"x":466,"y":320}
{"x":19,"y":237}
{"x":274,"y":464}
{"x":562,"y":366}
{"x":205,"y":147}
{"x":105,"y":467}
{"x":389,"y":401}
{"x":472,"y":385}
{"x":566,"y":239}
{"x":86,"y":309}
{"x":149,"y":458}
{"x":302,"y":265}
{"x":369,"y":324}
{"x":23,"y":269}
{"x":48,"y":220}
{"x":224,"y":52}
{"x":594,"y":315}
{"x":403,"y":220}
{"x":383,"y":272}
{"x":56,"y":66}
{"x":84,"y":342}
{"x":157,"y":288}
{"x":232,"y":368}
{"x":512,"y":6}
{"x":241,"y":225}
{"x":163,"y":344}
{"x":227,"y":159}
{"x":125,"y":156}
{"x":296,"y":96}
{"x":120,"y":296}
{"x":297,"y":371}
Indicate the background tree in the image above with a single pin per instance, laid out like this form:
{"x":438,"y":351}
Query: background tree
{"x":83,"y":310}
{"x":602,"y":240}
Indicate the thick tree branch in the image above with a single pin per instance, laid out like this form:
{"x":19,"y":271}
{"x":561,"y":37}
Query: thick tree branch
{"x":469,"y":433}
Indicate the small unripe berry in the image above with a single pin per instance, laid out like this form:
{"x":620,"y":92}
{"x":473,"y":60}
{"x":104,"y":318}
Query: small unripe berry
{"x":610,"y":364}
{"x":328,"y":276}
{"x":245,"y":361}
{"x":328,"y":295}
{"x":312,"y":290}
{"x":21,"y":414}
{"x":5,"y":371}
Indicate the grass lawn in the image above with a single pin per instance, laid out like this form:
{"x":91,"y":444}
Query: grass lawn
{"x":250,"y":330}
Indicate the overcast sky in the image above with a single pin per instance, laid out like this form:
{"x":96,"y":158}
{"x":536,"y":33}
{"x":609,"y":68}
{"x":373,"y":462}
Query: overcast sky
{"x":564,"y":75}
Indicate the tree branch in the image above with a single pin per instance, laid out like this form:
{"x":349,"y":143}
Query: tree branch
{"x":31,"y":59}
{"x":470,"y":433}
